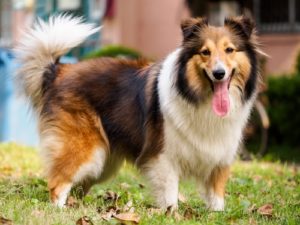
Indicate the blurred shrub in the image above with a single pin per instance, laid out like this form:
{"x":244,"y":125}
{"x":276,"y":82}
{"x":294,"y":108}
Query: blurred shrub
{"x":284,"y":108}
{"x":114,"y":51}
{"x":298,"y":65}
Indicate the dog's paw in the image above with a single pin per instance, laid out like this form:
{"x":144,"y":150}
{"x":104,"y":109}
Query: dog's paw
{"x":216,"y":203}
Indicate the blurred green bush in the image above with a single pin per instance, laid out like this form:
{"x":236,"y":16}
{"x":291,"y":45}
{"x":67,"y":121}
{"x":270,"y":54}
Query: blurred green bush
{"x":298,"y":64}
{"x":114,"y":51}
{"x":284,"y":108}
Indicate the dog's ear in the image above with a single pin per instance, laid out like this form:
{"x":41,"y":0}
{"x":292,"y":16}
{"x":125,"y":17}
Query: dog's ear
{"x":241,"y":26}
{"x":190,"y":27}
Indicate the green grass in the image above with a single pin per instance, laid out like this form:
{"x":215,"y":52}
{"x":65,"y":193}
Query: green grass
{"x":24,"y":196}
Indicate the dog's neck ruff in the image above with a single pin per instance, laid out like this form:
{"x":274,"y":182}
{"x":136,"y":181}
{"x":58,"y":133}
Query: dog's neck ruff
{"x":196,"y":129}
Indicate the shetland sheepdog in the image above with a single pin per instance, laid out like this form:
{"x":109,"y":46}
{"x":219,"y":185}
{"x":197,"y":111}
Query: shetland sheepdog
{"x":178,"y":118}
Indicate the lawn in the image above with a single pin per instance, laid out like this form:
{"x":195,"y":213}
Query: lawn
{"x":258,"y":193}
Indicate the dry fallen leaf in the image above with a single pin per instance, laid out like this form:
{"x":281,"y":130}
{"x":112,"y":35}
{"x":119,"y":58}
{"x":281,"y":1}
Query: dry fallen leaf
{"x":4,"y":221}
{"x":72,"y":202}
{"x":128,"y":217}
{"x":109,"y":212}
{"x":84,"y":221}
{"x":107,"y":215}
{"x":265,"y":210}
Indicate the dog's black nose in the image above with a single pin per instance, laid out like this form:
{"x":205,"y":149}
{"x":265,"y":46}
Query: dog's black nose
{"x":219,"y":74}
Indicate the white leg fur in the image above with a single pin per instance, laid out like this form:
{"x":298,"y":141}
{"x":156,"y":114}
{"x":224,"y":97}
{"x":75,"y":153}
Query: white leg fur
{"x":89,"y":170}
{"x":214,"y":202}
{"x":62,"y":197}
{"x":92,"y":169}
{"x":164,"y":182}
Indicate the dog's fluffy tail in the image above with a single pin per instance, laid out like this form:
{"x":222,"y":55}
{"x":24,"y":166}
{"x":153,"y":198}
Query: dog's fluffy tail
{"x":41,"y":47}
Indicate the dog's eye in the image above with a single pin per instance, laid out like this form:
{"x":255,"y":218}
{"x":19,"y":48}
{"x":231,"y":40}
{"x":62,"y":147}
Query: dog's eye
{"x":205,"y":52}
{"x":229,"y":50}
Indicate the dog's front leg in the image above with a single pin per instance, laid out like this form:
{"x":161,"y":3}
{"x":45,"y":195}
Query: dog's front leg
{"x":164,"y":182}
{"x":215,"y":188}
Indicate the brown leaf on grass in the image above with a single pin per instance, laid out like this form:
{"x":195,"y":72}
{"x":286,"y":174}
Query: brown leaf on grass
{"x":266,"y":210}
{"x":109,"y":212}
{"x":84,"y":221}
{"x":141,"y":186}
{"x":72,"y":202}
{"x":107,"y":215}
{"x":4,"y":221}
{"x":128,"y":217}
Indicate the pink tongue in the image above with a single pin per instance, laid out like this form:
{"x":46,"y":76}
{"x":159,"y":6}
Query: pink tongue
{"x":221,"y":103}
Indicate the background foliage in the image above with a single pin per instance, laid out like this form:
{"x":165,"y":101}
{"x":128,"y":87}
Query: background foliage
{"x":284,"y":108}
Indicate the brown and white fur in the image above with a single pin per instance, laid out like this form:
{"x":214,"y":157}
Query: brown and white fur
{"x":95,"y":114}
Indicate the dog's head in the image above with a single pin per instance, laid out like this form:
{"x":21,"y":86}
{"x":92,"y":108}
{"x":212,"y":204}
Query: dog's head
{"x":218,"y":61}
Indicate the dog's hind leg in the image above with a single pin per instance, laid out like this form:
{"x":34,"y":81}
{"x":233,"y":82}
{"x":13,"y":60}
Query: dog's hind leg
{"x":69,"y":171}
{"x":76,"y":152}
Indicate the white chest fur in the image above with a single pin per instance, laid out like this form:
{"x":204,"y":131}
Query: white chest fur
{"x":196,"y":140}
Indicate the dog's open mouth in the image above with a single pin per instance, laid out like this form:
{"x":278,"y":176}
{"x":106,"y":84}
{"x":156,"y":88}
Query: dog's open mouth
{"x":221,"y":100}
